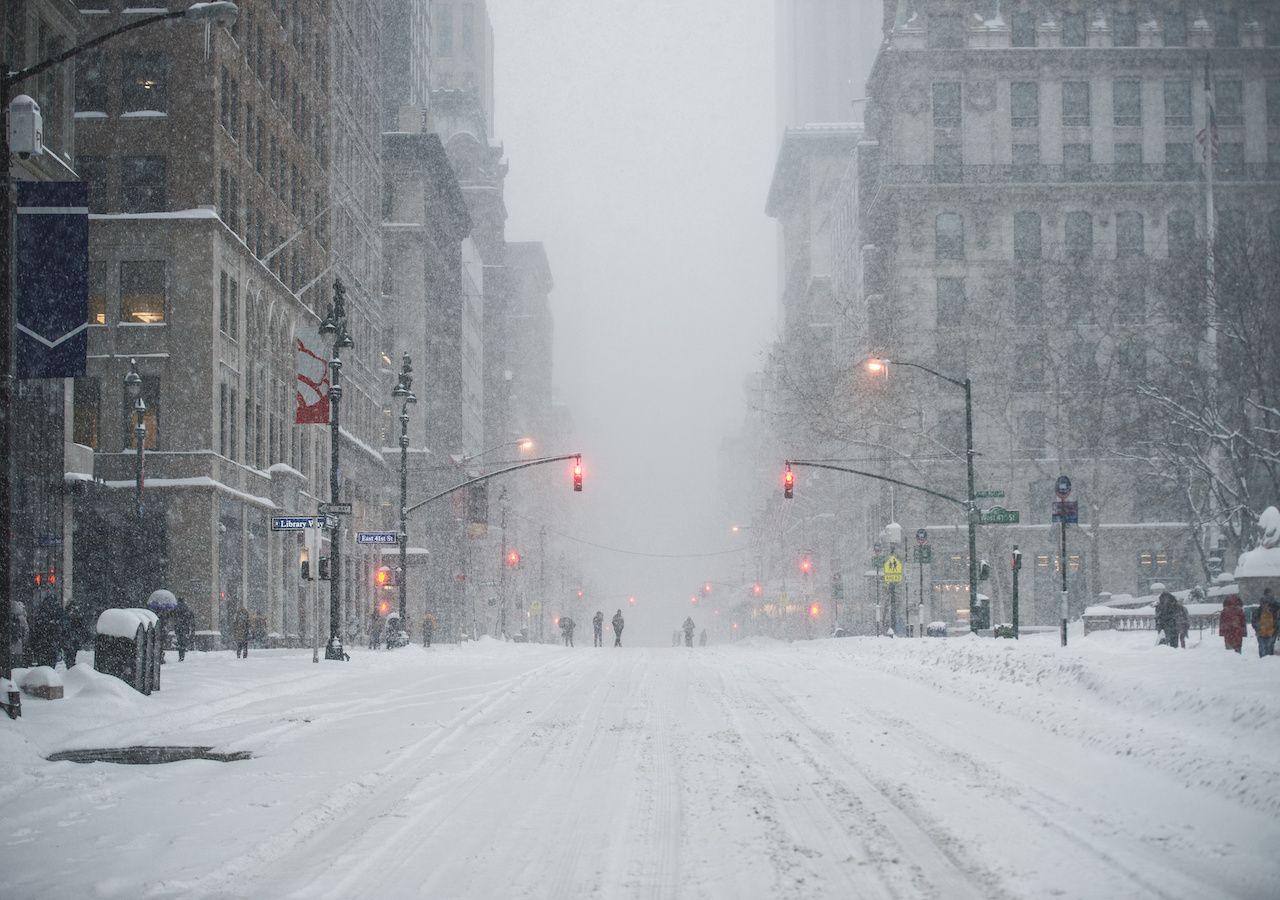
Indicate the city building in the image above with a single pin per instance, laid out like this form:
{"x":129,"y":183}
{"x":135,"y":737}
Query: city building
{"x":1020,"y":213}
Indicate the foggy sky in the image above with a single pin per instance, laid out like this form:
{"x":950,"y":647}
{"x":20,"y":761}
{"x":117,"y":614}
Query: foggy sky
{"x":640,"y":137}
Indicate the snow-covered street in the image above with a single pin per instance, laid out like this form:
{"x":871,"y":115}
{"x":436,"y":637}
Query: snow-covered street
{"x":838,"y":768}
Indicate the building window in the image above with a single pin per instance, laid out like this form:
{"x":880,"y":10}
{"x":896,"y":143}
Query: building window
{"x":1079,"y":235}
{"x":142,"y":184}
{"x":1024,"y":104}
{"x":1031,"y":434}
{"x":1129,"y":235}
{"x":1024,"y":29}
{"x":93,"y":172}
{"x":1026,"y":235}
{"x":1230,"y":162}
{"x":1028,"y":301}
{"x":1226,"y":29}
{"x":1074,"y":32}
{"x":948,"y":162}
{"x":1124,"y":29}
{"x":229,"y":305}
{"x":950,"y":301}
{"x":1273,"y":29}
{"x":1273,"y":102}
{"x":946,"y":104}
{"x":145,"y":78}
{"x":1126,"y":99}
{"x":151,"y":418}
{"x":1179,"y":159}
{"x":1175,"y":29}
{"x":91,"y":82}
{"x":949,"y":229}
{"x":1182,"y":233}
{"x":86,"y":416}
{"x":1076,"y":160}
{"x":1075,"y":103}
{"x":1131,"y":288}
{"x":1026,"y":155}
{"x":1028,"y":362}
{"x":1177,"y":103}
{"x":142,"y":291}
{"x":97,"y":293}
{"x":1128,"y":159}
{"x":946,"y":33}
{"x":1228,"y":106}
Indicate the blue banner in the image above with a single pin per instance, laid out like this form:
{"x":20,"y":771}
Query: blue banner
{"x":52,"y":274}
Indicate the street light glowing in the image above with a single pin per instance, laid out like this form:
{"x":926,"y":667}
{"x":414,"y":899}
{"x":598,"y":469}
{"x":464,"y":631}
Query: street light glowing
{"x":525,"y":444}
{"x":876,"y":365}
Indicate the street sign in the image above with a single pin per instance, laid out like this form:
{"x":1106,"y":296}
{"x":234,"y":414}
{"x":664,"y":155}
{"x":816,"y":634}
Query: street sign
{"x":998,"y":515}
{"x":377,"y":537}
{"x":922,"y":536}
{"x":1067,"y":511}
{"x":892,"y":570}
{"x":1063,"y":487}
{"x":292,"y":523}
{"x":924,"y":554}
{"x":335,"y":509}
{"x":326,"y":521}
{"x":989,"y":495}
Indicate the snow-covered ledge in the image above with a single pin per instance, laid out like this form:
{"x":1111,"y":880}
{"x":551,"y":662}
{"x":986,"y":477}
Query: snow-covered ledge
{"x":1259,"y":568}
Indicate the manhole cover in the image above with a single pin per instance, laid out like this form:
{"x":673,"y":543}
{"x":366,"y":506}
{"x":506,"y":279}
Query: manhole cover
{"x":147,"y":756}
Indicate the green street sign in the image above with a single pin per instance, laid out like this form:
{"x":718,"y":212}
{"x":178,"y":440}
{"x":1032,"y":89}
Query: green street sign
{"x":998,"y":515}
{"x":923,"y":554}
{"x":989,"y":495}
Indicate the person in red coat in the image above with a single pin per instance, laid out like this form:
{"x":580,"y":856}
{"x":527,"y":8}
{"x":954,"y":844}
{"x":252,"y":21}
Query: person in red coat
{"x":1231,"y":622}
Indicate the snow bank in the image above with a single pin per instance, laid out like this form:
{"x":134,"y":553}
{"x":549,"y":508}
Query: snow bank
{"x":1263,"y":562}
{"x":40,"y":676}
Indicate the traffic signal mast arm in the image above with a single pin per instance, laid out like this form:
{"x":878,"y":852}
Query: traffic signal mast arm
{"x":479,"y":478}
{"x":963,"y":504}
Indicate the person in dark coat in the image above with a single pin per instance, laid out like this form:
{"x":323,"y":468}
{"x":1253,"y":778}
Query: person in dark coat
{"x":184,"y":628}
{"x":240,"y":631}
{"x":617,"y":628}
{"x":688,"y":631}
{"x":1266,"y":622}
{"x":597,"y":628}
{"x":1231,"y":623}
{"x":1183,"y":618}
{"x":1167,"y":617}
{"x":47,"y":631}
{"x":566,"y":630}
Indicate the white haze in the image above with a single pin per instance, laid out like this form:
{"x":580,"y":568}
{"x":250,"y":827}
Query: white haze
{"x":641,"y":140}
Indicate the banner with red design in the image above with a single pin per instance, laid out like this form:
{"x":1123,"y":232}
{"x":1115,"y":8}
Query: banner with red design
{"x":313,"y":378}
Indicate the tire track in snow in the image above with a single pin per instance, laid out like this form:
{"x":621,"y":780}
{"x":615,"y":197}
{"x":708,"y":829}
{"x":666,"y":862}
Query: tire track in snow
{"x":329,"y":820}
{"x":656,"y":816}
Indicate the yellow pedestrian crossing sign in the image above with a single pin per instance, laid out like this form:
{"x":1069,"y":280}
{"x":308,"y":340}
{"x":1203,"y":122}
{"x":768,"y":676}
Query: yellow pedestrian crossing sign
{"x":892,"y":570}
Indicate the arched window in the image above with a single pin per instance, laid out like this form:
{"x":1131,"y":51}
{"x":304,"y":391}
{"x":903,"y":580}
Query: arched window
{"x":1182,"y":232}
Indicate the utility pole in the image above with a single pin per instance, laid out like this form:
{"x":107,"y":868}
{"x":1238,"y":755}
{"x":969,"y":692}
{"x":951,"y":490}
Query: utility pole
{"x":542,"y":579}
{"x":1017,"y":567}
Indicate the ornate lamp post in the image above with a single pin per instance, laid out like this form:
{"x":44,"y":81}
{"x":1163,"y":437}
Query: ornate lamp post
{"x":133,"y":389}
{"x":335,"y":324}
{"x":406,"y":397}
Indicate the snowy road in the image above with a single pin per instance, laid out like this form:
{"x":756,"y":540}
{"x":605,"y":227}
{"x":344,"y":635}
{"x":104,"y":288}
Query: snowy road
{"x":855,"y":768}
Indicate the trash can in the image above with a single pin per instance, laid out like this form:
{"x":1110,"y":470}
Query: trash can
{"x":125,"y":647}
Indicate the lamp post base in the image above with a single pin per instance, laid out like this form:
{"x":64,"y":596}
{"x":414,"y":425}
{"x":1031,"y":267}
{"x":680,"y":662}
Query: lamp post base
{"x":333,"y":650}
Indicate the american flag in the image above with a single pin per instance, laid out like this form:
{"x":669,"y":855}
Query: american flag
{"x":1207,"y":137}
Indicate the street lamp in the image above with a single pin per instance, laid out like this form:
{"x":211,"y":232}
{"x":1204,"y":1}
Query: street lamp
{"x":335,"y":324}
{"x":205,"y":13}
{"x":877,"y":365}
{"x":133,"y":390}
{"x":406,"y":397}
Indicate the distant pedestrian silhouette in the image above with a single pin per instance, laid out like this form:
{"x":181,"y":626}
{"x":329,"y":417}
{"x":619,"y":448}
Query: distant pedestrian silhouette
{"x":688,"y":631}
{"x":617,"y":628}
{"x":597,"y":628}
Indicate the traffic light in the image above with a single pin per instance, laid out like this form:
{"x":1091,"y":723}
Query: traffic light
{"x":577,"y":474}
{"x":984,"y":570}
{"x":806,"y":565}
{"x":324,"y":568}
{"x":814,"y":610}
{"x":706,"y":587}
{"x":47,"y":579}
{"x":757,"y":589}
{"x":384,"y":577}
{"x":513,"y":559}
{"x":788,"y":482}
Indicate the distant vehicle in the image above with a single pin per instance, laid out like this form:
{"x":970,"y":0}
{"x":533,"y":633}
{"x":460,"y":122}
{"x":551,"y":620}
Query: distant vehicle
{"x":936,"y":629}
{"x":839,"y":631}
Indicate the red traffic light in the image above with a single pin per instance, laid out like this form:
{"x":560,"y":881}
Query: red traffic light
{"x":806,"y":565}
{"x":706,"y":587}
{"x":513,"y":558}
{"x":757,"y":589}
{"x":577,"y":474}
{"x":788,"y":483}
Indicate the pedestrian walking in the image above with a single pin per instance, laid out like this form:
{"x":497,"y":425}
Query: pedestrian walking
{"x":184,"y":628}
{"x":72,"y":632}
{"x":617,"y":628}
{"x":1266,"y":619}
{"x":566,"y":630}
{"x":1183,"y":620}
{"x":1167,"y":617}
{"x":240,"y":630}
{"x":702,"y":638}
{"x":1231,"y":623}
{"x":688,"y":631}
{"x":597,"y":628}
